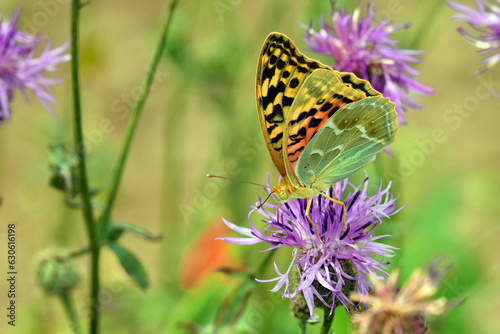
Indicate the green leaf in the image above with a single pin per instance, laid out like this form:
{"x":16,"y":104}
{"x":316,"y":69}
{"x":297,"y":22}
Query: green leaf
{"x":117,"y":230}
{"x":234,"y":305}
{"x":131,"y":264}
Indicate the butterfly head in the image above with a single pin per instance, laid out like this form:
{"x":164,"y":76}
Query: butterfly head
{"x":282,"y":191}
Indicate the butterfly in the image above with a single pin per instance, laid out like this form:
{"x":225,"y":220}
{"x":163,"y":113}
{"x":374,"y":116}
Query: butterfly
{"x":320,"y":125}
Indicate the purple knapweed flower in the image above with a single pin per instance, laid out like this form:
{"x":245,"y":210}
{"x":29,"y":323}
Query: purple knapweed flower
{"x":19,"y":68}
{"x":362,"y":46}
{"x":325,"y":271}
{"x":486,"y":22}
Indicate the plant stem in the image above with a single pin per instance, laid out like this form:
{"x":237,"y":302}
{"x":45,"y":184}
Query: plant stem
{"x":327,"y":321}
{"x":134,"y":120}
{"x":80,"y":151}
{"x":302,"y":326}
{"x":264,"y":264}
{"x":69,"y":306}
{"x":432,"y":17}
{"x":79,"y":252}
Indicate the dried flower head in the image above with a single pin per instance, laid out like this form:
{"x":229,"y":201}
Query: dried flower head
{"x":325,"y":271}
{"x":362,"y":46}
{"x":392,"y":309}
{"x":486,"y":22}
{"x":20,"y":69}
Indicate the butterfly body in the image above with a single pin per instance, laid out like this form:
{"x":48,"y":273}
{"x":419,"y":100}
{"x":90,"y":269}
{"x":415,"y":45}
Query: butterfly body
{"x":320,"y":125}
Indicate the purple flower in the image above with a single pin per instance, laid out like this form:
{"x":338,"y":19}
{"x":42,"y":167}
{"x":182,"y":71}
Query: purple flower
{"x":362,"y":46}
{"x":19,"y":68}
{"x":486,"y":22}
{"x":330,"y":268}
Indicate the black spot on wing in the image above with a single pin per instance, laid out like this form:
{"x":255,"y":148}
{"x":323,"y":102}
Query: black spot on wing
{"x":302,"y":69}
{"x":277,"y":138}
{"x":297,"y":150}
{"x":333,"y":111}
{"x":287,"y":101}
{"x":300,"y":118}
{"x":325,"y":107}
{"x":281,"y":64}
{"x":273,"y":60}
{"x":313,"y":64}
{"x":271,"y":127}
{"x":267,"y":72}
{"x":272,"y":92}
{"x":312,"y":112}
{"x":301,"y":133}
{"x":314,"y":122}
{"x":360,"y":86}
{"x":276,"y":115}
{"x":346,"y":100}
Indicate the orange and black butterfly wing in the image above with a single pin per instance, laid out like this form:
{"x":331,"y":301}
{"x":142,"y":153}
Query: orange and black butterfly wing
{"x":336,"y":126}
{"x":281,"y":71}
{"x":322,"y":94}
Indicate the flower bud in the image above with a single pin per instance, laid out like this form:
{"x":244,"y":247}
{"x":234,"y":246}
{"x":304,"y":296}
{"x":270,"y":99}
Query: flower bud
{"x":57,"y":274}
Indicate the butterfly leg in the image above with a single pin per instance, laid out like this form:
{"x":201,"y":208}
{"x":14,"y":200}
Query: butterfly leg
{"x":278,"y":213}
{"x":343,"y":207}
{"x":309,"y":201}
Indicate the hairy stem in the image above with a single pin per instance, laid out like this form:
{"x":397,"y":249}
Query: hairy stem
{"x":69,"y":306}
{"x":134,"y":119}
{"x":84,"y":188}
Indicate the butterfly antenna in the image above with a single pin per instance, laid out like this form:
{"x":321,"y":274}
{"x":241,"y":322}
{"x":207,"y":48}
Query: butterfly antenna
{"x":262,"y":203}
{"x":230,"y":179}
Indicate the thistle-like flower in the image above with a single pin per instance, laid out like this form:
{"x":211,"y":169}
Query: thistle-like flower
{"x":392,"y":309}
{"x":324,"y":272}
{"x":20,"y":69}
{"x":362,"y":46}
{"x":486,"y":22}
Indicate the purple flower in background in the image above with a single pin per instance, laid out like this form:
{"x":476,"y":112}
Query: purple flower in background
{"x":326,"y":270}
{"x":362,"y":46}
{"x":486,"y":22}
{"x":19,"y":68}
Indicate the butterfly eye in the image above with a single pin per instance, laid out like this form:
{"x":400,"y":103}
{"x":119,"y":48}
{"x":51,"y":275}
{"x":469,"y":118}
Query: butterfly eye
{"x":283,"y":195}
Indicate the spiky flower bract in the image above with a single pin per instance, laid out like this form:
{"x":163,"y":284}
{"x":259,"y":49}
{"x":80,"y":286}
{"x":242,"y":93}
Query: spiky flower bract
{"x":325,"y":269}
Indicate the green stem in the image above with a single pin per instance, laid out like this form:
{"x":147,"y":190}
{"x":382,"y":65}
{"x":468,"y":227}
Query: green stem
{"x":428,"y":24}
{"x":134,"y":120}
{"x":327,"y":321}
{"x":79,"y":252}
{"x":69,"y":306}
{"x":263,"y":266}
{"x":302,"y":326}
{"x":80,"y":151}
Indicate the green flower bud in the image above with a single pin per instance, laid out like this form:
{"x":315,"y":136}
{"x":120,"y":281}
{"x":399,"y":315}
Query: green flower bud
{"x":57,"y":274}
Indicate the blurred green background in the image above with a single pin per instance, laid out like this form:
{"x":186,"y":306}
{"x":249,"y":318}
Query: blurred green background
{"x":201,"y":117}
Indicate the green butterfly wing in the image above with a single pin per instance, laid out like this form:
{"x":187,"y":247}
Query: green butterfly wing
{"x":347,"y":142}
